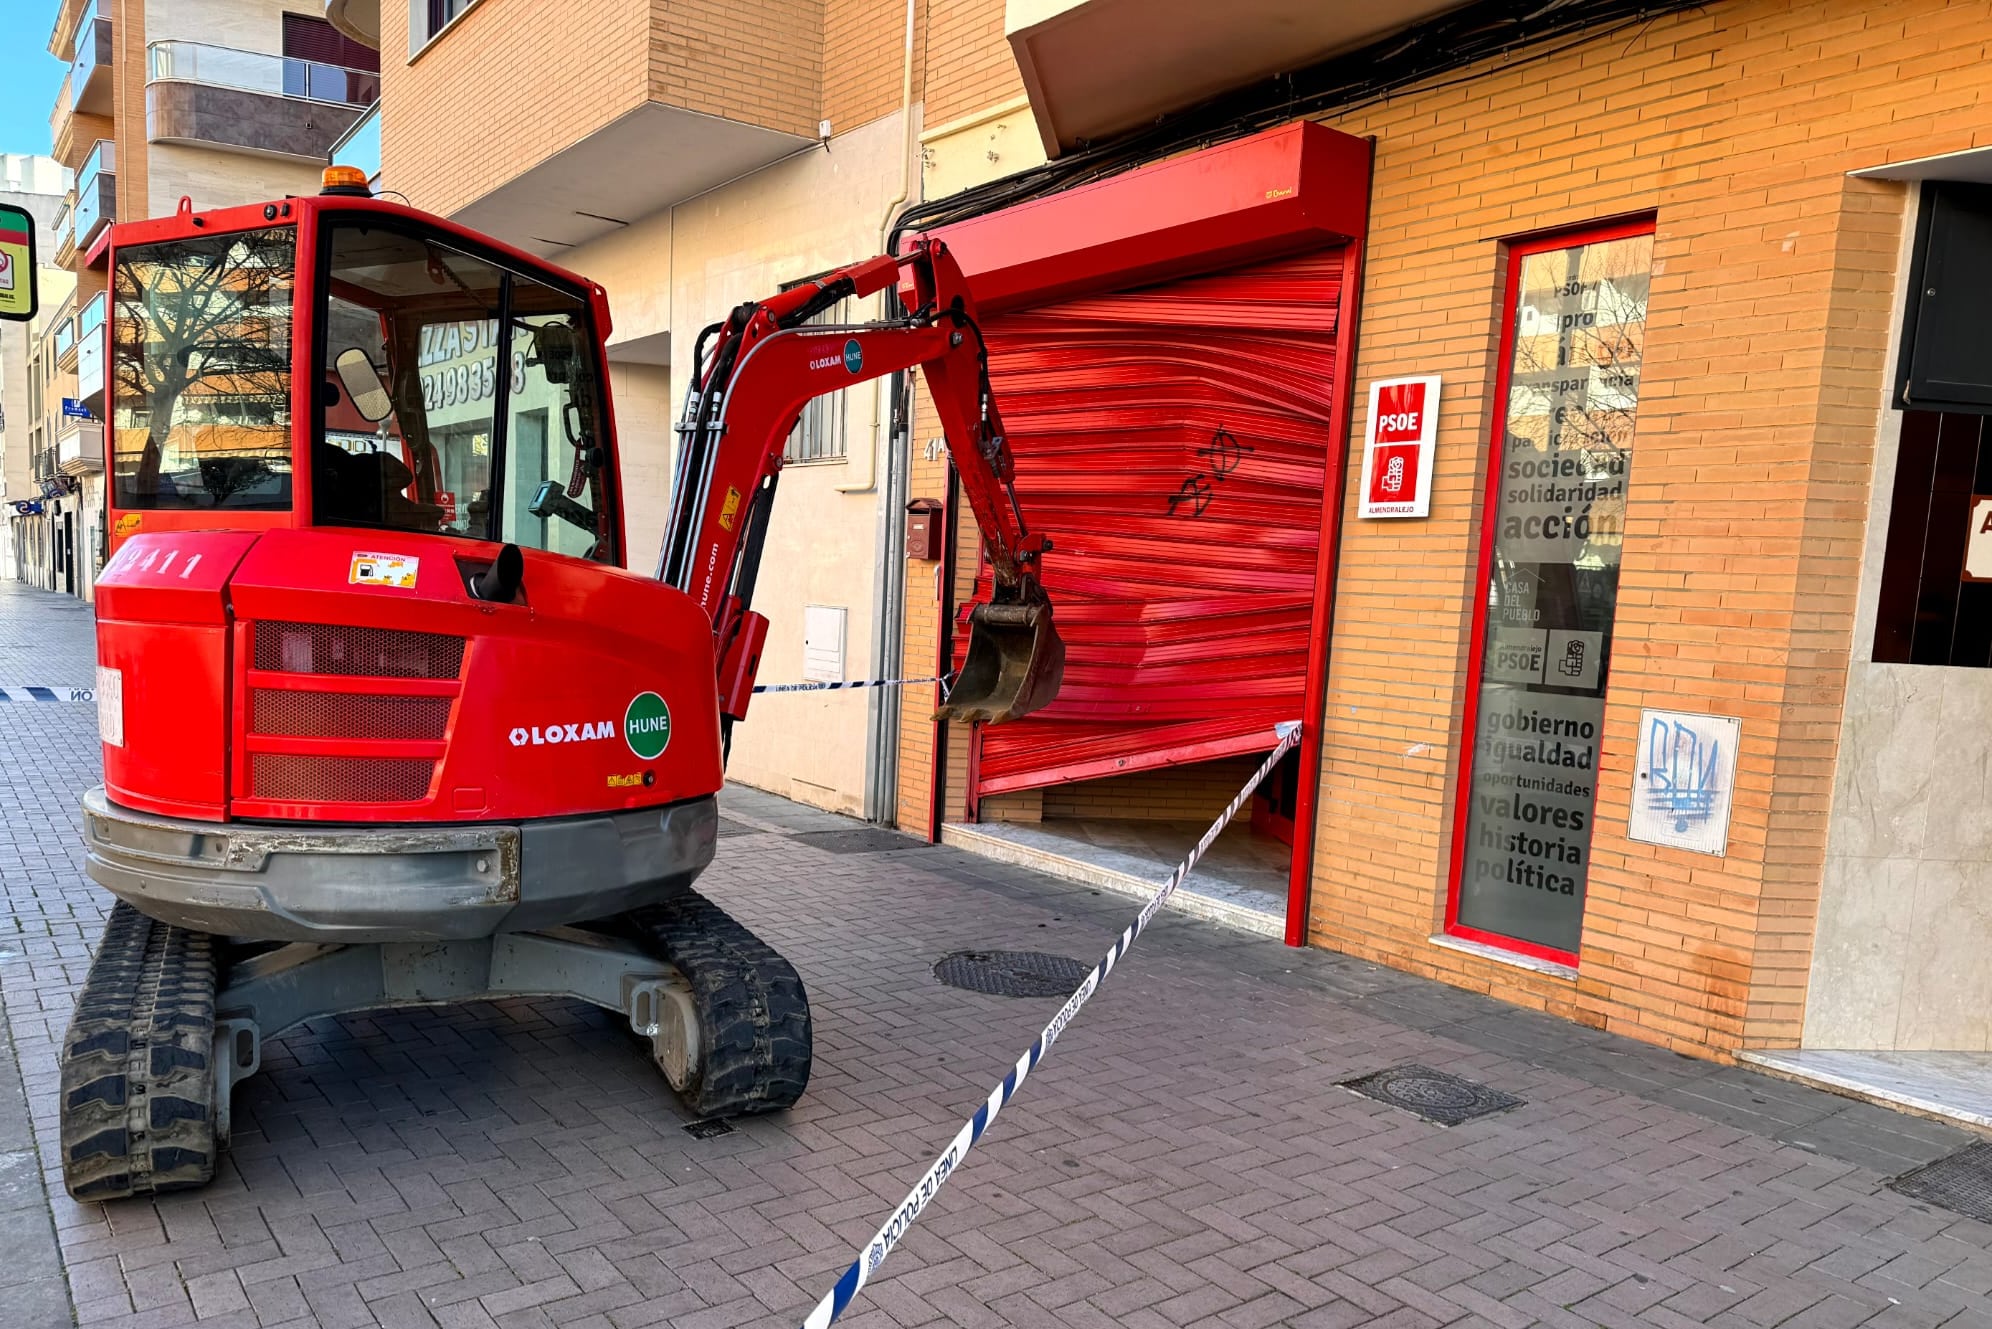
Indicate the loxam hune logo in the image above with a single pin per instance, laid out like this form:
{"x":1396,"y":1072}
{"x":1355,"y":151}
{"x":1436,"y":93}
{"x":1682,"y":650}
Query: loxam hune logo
{"x":647,"y":725}
{"x":538,"y":736}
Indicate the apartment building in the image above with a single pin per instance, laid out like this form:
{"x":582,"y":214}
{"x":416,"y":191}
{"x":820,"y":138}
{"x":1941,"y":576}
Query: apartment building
{"x":217,"y":101}
{"x":36,"y":185}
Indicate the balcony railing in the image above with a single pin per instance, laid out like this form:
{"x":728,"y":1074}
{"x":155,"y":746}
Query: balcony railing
{"x":89,"y":72}
{"x":65,"y":230}
{"x":259,"y":71}
{"x":360,"y":145}
{"x":62,"y":329}
{"x":90,"y":351}
{"x":96,"y":192}
{"x":80,"y":448}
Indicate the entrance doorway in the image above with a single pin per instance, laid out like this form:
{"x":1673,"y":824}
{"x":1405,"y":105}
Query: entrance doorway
{"x":1176,"y":442}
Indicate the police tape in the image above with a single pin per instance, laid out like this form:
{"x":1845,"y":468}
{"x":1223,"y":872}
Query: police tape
{"x":928,"y":1186}
{"x":944,"y":681}
{"x":38,"y":692}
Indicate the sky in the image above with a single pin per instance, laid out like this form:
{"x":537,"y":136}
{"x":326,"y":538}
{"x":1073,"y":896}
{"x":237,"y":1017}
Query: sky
{"x":27,"y":91}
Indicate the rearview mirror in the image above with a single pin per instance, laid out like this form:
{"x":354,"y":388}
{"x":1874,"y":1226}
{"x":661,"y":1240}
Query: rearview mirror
{"x":363,"y":384}
{"x":557,"y":351}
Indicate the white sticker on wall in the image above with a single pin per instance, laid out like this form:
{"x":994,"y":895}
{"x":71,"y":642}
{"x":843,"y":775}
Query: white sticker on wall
{"x":1683,"y":779}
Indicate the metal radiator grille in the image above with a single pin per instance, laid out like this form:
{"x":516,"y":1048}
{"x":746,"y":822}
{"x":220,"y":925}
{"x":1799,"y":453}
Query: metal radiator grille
{"x":339,"y":779}
{"x":346,"y":715}
{"x":332,"y":648}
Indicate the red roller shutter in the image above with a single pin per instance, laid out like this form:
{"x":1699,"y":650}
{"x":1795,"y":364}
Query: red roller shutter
{"x":1174,"y":442}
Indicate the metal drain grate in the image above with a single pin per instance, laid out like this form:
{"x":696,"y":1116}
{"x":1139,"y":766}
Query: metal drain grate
{"x":862,"y":840}
{"x":1011,"y":973}
{"x":1433,"y":1095}
{"x":709,"y":1129}
{"x":727,"y":826}
{"x":1960,"y":1182}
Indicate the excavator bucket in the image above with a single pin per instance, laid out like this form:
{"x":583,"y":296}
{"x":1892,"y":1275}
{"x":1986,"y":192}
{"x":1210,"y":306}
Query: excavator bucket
{"x":1015,"y":663}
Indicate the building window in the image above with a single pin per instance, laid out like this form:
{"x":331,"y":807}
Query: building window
{"x":323,"y":64}
{"x":1936,"y":569}
{"x":200,"y":372}
{"x":819,"y":431}
{"x":443,"y":12}
{"x":1574,"y":324}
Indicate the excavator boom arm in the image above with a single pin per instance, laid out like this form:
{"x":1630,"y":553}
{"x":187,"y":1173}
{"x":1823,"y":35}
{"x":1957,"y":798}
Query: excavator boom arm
{"x":765,"y":364}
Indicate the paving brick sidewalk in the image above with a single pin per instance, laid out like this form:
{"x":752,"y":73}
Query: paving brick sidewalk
{"x":1187,"y":1158}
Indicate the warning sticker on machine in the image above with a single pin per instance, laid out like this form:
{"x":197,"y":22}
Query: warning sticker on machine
{"x":110,"y":706}
{"x":396,"y":570}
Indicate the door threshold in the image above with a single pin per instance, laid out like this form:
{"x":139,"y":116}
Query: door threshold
{"x":1111,"y":871}
{"x":1947,"y":1086}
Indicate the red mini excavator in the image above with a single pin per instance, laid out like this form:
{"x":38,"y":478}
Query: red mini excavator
{"x":385,"y":719}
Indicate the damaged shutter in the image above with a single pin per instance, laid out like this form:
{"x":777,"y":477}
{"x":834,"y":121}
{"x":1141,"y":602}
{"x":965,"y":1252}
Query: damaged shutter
{"x":1173,"y":441}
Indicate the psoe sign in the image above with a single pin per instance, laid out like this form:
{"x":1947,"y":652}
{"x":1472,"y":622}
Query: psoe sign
{"x":1978,"y":548}
{"x":1398,"y":446}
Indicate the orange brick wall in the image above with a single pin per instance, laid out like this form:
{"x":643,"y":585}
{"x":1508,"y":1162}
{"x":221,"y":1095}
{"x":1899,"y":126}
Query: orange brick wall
{"x":973,"y":66}
{"x":127,"y":110}
{"x":444,"y":141}
{"x":561,"y":72}
{"x":1771,"y":300}
{"x":1736,"y":126}
{"x":864,"y":58}
{"x":761,"y":61}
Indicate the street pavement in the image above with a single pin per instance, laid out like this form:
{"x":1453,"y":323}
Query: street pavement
{"x":1188,"y":1156}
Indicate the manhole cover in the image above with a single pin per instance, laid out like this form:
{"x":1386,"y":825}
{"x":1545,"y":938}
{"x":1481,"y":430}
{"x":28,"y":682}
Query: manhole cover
{"x":1433,"y":1095}
{"x":862,"y":840}
{"x":1011,"y":973}
{"x":1960,"y":1182}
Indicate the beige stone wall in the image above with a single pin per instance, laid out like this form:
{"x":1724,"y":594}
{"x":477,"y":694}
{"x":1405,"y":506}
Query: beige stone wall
{"x":1905,"y":920}
{"x":215,"y":179}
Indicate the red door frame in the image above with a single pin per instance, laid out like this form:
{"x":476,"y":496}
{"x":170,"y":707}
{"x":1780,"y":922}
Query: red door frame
{"x":1516,"y":250}
{"x":1298,"y":187}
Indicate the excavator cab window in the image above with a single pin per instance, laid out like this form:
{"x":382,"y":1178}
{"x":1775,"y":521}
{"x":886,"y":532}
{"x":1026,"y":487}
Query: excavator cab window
{"x":455,"y":390}
{"x":201,"y":372}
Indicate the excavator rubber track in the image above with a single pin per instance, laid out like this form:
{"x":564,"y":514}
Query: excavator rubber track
{"x":753,"y":1015}
{"x":137,"y":1077}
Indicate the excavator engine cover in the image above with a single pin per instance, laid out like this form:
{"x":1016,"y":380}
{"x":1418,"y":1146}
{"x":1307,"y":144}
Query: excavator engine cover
{"x":1016,"y":661}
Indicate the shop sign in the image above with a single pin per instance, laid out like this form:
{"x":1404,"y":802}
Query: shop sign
{"x":1686,"y":773}
{"x":1398,"y":447}
{"x":1978,"y":544}
{"x":1557,"y":489}
{"x":75,"y":410}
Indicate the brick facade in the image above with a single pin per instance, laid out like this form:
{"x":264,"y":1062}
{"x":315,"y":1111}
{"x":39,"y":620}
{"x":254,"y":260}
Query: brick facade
{"x":564,"y":72}
{"x":1772,"y":295}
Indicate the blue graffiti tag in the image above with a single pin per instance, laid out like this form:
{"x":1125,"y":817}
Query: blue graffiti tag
{"x":1681,"y":767}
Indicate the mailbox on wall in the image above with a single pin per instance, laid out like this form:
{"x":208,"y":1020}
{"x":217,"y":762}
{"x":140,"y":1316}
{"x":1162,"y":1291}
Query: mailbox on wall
{"x":923,"y":529}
